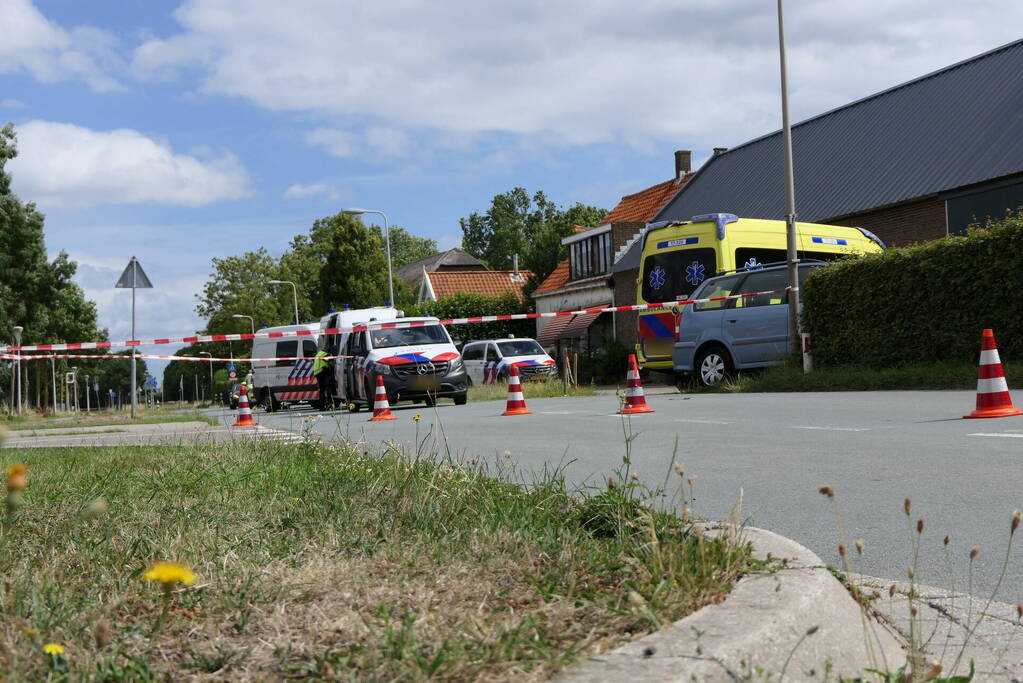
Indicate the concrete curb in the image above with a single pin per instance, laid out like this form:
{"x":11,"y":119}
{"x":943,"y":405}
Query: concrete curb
{"x":760,"y":626}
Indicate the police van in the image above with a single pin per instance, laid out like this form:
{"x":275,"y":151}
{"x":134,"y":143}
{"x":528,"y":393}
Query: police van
{"x":418,"y":361}
{"x":290,"y":380}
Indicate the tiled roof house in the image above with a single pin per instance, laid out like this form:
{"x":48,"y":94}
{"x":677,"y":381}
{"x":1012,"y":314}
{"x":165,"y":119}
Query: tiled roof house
{"x":441,"y":284}
{"x":584,"y":279}
{"x":451,"y":260}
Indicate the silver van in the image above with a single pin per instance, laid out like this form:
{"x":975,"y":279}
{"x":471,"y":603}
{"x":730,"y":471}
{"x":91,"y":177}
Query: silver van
{"x":716,"y":338}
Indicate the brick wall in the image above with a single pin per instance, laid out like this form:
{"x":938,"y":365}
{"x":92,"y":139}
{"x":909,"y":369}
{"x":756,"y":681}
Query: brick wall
{"x":898,"y":226}
{"x":625,"y":295}
{"x":622,"y":233}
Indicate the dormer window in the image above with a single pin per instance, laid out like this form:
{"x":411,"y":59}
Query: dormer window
{"x":590,"y":257}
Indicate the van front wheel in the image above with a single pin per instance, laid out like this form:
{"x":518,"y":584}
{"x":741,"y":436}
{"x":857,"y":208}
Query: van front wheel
{"x":714,"y":365}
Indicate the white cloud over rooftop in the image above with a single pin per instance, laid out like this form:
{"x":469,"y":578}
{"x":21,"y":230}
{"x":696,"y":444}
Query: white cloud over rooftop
{"x":579,"y":72}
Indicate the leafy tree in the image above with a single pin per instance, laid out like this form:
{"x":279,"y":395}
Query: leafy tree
{"x":355,"y":269}
{"x":34,"y":293}
{"x":238,"y":286}
{"x":532,"y":227}
{"x":464,"y":304}
{"x":406,"y":248}
{"x":189,"y":373}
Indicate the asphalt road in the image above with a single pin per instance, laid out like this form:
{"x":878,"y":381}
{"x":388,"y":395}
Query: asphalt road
{"x":964,"y":477}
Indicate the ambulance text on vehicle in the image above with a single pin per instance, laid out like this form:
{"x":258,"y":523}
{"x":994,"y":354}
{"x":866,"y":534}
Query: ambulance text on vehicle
{"x":677,"y":257}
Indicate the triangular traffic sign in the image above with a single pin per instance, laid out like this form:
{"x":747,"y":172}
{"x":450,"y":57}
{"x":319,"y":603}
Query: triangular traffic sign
{"x":133,"y":277}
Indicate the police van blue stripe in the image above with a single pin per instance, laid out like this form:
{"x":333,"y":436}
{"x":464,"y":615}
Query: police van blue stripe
{"x":829,"y":240}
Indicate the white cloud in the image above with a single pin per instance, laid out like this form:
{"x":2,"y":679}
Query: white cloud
{"x":337,"y":142}
{"x":573,"y":72}
{"x":387,"y":141}
{"x":61,"y":164}
{"x":51,"y":53}
{"x":317,"y":189}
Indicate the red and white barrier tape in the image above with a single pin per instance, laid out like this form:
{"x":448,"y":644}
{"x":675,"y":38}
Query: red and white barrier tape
{"x":153,"y":356}
{"x":391,"y":325}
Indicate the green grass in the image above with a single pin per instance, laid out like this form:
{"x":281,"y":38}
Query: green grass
{"x":926,"y":376}
{"x":551,"y":389}
{"x":327,"y":561}
{"x":47,"y":432}
{"x":102,"y":419}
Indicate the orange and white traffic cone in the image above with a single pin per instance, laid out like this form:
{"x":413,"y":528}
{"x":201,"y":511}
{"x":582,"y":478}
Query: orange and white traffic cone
{"x":993,"y":398}
{"x":244,"y":412}
{"x":516,"y":401}
{"x":381,"y":408}
{"x":635,"y":399}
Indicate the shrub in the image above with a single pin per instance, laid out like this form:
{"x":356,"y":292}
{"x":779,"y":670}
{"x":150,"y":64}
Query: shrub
{"x":465,"y":304}
{"x":604,"y":365}
{"x":921,"y":303}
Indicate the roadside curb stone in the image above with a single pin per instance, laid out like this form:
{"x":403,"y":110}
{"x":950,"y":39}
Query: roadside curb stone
{"x":758,"y":628}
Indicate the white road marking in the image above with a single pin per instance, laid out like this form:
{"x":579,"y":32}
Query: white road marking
{"x":1011,"y":436}
{"x":702,"y":422}
{"x":834,"y":429}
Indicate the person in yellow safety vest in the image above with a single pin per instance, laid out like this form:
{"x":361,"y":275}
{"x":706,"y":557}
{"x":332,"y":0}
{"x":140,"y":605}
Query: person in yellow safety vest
{"x":250,"y":387}
{"x":324,"y":379}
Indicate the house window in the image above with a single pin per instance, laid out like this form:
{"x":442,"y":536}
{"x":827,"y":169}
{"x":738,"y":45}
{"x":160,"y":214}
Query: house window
{"x":590,"y":257}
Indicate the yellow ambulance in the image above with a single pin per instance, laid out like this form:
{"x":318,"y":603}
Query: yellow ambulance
{"x":678,"y":256}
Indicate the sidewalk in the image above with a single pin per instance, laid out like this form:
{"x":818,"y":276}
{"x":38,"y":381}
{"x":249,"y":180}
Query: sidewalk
{"x":945,"y":619}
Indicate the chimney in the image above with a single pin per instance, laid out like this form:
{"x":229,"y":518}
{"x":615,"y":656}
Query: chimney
{"x":515,"y":263}
{"x":720,"y":150}
{"x":683,"y":163}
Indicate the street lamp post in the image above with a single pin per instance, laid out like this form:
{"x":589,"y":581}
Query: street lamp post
{"x":790,"y":197}
{"x":387,"y":240}
{"x":17,"y":342}
{"x":207,"y":353}
{"x":294,"y":292}
{"x":252,"y":322}
{"x":53,"y":378}
{"x":74,"y":385}
{"x":88,"y":407}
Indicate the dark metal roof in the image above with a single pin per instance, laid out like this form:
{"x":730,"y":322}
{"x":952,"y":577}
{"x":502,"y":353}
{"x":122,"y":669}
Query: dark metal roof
{"x":957,"y":126}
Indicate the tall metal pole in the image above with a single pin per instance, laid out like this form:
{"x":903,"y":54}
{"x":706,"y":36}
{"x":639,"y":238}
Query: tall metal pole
{"x":790,"y":196}
{"x":53,"y":375}
{"x":134,"y":398}
{"x":17,"y":369}
{"x":390,"y":277}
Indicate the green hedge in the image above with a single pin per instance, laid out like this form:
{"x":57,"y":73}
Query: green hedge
{"x":923,"y":303}
{"x":466,"y":305}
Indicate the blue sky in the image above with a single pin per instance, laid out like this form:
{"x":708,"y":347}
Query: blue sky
{"x":181,"y":131}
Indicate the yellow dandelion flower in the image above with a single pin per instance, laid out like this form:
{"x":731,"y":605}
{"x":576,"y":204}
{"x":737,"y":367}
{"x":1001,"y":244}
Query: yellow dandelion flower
{"x":16,"y":479}
{"x":417,"y":417}
{"x":53,"y":649}
{"x":31,"y":632}
{"x":169,"y":573}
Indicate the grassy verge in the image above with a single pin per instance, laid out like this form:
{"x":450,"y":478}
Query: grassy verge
{"x":49,"y":432}
{"x":553,"y":389}
{"x":928,"y":376}
{"x":325,"y":561}
{"x":102,"y":419}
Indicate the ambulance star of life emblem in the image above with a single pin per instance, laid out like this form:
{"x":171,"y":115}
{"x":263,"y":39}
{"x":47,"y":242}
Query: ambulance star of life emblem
{"x":657,"y":278}
{"x":694,"y":273}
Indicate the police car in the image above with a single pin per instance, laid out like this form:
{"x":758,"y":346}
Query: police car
{"x":489,"y":360}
